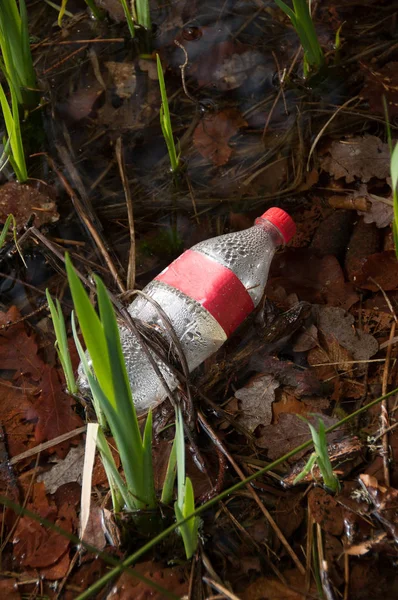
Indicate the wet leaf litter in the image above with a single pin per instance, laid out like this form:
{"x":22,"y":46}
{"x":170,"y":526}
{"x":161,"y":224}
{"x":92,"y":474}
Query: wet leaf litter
{"x":323,"y":345}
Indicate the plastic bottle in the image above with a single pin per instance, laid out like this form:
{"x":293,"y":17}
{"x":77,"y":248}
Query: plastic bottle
{"x":206,"y":293}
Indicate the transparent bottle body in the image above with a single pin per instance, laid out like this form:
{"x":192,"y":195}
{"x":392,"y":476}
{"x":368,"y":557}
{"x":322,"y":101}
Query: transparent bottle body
{"x":248,"y":255}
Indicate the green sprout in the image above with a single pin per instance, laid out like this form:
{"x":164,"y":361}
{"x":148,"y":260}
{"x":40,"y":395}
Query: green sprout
{"x":13,"y":126}
{"x":165,"y":121}
{"x":61,"y":342}
{"x":394,"y":180}
{"x":302,"y":22}
{"x":16,"y":62}
{"x":320,"y":457}
{"x":185,"y":504}
{"x":111,"y":389}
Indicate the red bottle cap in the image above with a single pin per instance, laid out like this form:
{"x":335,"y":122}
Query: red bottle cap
{"x":282,"y":221}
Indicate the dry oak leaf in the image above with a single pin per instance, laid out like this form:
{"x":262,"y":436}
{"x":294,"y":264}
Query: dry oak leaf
{"x":358,"y":158}
{"x":289,"y":432}
{"x":211,"y":136}
{"x":336,"y":322}
{"x":22,"y":199}
{"x":255,"y":401}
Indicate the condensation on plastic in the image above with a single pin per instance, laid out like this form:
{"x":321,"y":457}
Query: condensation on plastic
{"x":247,"y":253}
{"x":199,"y":333}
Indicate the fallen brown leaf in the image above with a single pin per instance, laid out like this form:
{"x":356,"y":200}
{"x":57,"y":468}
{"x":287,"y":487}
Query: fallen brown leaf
{"x":287,"y":433}
{"x":358,"y":158}
{"x":22,"y":200}
{"x":255,"y":401}
{"x":314,"y":279}
{"x":40,"y":548}
{"x":211,"y":136}
{"x":18,"y":350}
{"x":127,"y":587}
{"x":54,"y":409}
{"x":9,"y":588}
{"x":326,"y":511}
{"x":382,"y":268}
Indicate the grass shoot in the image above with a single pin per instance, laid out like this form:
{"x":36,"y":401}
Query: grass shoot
{"x":61,"y":342}
{"x":394,"y":180}
{"x":185,"y":504}
{"x":302,"y":22}
{"x":111,"y":389}
{"x":321,"y":458}
{"x":17,"y":63}
{"x":165,"y":121}
{"x":13,"y":127}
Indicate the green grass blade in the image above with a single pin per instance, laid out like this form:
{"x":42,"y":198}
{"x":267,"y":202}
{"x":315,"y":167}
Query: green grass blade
{"x":165,"y":120}
{"x":92,"y":330}
{"x":61,"y":343}
{"x":4,"y":231}
{"x":180,"y":454}
{"x":120,"y":496}
{"x":87,"y":371}
{"x":150,"y":494}
{"x":11,"y":120}
{"x":169,"y":480}
{"x":127,"y":14}
{"x":143,"y":13}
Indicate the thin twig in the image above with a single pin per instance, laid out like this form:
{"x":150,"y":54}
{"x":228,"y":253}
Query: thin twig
{"x":130,"y":283}
{"x":384,"y":411}
{"x":182,"y":68}
{"x":253,"y":493}
{"x":45,"y":445}
{"x":322,"y":131}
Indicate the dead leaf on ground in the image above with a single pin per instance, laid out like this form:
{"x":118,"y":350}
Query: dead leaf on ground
{"x":287,"y":373}
{"x":22,"y":200}
{"x":65,"y":470}
{"x":385,"y":502}
{"x":79,"y":104}
{"x":326,"y":511}
{"x":211,"y":136}
{"x":382,"y":267}
{"x":39,"y":548}
{"x":9,"y":589}
{"x":54,"y":409}
{"x":358,"y":158}
{"x":287,"y":433}
{"x":379,"y":83}
{"x":314,"y":279}
{"x":269,"y":588}
{"x":18,"y":350}
{"x":123,"y":77}
{"x":127,"y":587}
{"x":238,"y":68}
{"x":381,"y":213}
{"x":336,"y":322}
{"x":255,"y":401}
{"x":15,"y":414}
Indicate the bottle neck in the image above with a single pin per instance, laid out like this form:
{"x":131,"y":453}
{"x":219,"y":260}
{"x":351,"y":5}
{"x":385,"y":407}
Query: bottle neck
{"x":272,"y":230}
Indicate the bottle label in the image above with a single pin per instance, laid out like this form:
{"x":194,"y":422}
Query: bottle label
{"x":211,"y":284}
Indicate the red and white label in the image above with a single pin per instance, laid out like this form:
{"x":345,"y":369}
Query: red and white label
{"x":214,"y":286}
